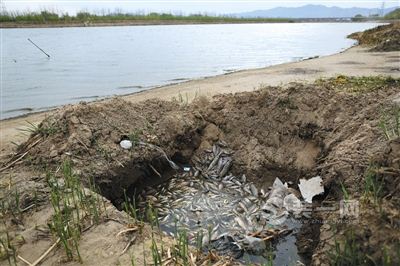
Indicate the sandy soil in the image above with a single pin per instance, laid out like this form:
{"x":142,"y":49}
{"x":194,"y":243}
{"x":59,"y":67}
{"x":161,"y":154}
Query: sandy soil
{"x":355,"y":61}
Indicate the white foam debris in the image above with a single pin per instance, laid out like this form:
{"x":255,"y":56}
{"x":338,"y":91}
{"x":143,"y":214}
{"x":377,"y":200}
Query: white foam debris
{"x":311,"y":187}
{"x":126,"y":144}
{"x":292,"y":204}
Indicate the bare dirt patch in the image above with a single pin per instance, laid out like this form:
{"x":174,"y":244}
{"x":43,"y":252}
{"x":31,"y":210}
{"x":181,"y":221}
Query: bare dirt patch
{"x":350,"y":63}
{"x":301,"y":71}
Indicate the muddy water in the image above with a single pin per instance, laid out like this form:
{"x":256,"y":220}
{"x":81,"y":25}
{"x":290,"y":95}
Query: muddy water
{"x":91,"y":63}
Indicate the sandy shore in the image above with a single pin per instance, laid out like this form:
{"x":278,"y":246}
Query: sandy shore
{"x":355,"y":61}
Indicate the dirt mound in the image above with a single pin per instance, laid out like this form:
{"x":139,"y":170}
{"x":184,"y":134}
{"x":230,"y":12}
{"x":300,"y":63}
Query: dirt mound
{"x":94,"y":131}
{"x":382,"y":38}
{"x":332,"y":128}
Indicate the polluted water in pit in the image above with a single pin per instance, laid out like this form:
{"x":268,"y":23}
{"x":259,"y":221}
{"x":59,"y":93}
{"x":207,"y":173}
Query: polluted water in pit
{"x":227,"y":213}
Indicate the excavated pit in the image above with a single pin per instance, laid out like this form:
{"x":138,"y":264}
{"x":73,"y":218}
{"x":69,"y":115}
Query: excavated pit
{"x":188,"y":199}
{"x":262,"y":149}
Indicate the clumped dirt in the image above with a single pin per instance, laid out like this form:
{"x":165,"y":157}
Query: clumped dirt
{"x":329,"y":128}
{"x":89,"y":135}
{"x":382,"y":38}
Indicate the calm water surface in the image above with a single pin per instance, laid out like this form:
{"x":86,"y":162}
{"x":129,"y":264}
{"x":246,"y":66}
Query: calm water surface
{"x":91,"y":63}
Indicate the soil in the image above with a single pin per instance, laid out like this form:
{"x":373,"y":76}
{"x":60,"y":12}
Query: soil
{"x":382,"y":38}
{"x":329,"y":128}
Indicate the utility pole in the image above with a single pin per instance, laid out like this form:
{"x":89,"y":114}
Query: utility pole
{"x":3,"y":8}
{"x":382,"y":9}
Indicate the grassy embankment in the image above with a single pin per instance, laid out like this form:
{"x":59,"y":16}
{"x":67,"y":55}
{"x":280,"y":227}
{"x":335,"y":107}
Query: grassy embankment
{"x":395,"y":14}
{"x":49,"y":18}
{"x":382,"y":38}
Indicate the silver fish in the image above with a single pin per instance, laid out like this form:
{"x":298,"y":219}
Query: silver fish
{"x":254,"y":190}
{"x":241,"y":222}
{"x":226,"y":168}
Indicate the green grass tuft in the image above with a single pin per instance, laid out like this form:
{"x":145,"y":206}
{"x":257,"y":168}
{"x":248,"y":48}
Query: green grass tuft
{"x":390,"y":123}
{"x":73,"y":208}
{"x":358,"y":85}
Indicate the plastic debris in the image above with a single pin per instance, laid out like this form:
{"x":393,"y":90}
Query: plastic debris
{"x":311,"y":187}
{"x":254,"y":244}
{"x":276,"y":196}
{"x":126,"y":144}
{"x":292,"y":204}
{"x":226,"y":246}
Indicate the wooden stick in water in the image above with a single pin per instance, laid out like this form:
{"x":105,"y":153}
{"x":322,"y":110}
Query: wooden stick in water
{"x":39,"y":48}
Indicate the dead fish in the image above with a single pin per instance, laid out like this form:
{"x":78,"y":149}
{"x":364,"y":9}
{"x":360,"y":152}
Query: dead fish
{"x":253,"y":209}
{"x":226,"y":167}
{"x":237,"y":183}
{"x":196,"y":173}
{"x":151,"y":198}
{"x":195,"y":209}
{"x":241,"y":222}
{"x":221,"y":163}
{"x":214,"y":162}
{"x":252,"y":198}
{"x":247,"y":189}
{"x":263,"y":193}
{"x":243,"y":206}
{"x":239,"y":209}
{"x":247,"y":201}
{"x":254,"y":190}
{"x":222,"y":143}
{"x":216,"y":150}
{"x":178,"y":200}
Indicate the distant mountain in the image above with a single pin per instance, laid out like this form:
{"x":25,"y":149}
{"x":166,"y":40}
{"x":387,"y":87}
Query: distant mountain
{"x":312,"y":11}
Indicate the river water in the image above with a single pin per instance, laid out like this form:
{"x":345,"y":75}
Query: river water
{"x":96,"y":62}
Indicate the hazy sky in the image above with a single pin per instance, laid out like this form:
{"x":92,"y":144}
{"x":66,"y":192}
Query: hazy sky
{"x":176,"y":6}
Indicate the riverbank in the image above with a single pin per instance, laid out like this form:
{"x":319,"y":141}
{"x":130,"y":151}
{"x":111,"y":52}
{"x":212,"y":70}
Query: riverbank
{"x":84,"y":19}
{"x":13,"y":25}
{"x":356,"y":61}
{"x":9,"y":25}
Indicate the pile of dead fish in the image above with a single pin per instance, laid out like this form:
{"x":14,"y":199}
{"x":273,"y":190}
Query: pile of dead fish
{"x":228,"y":211}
